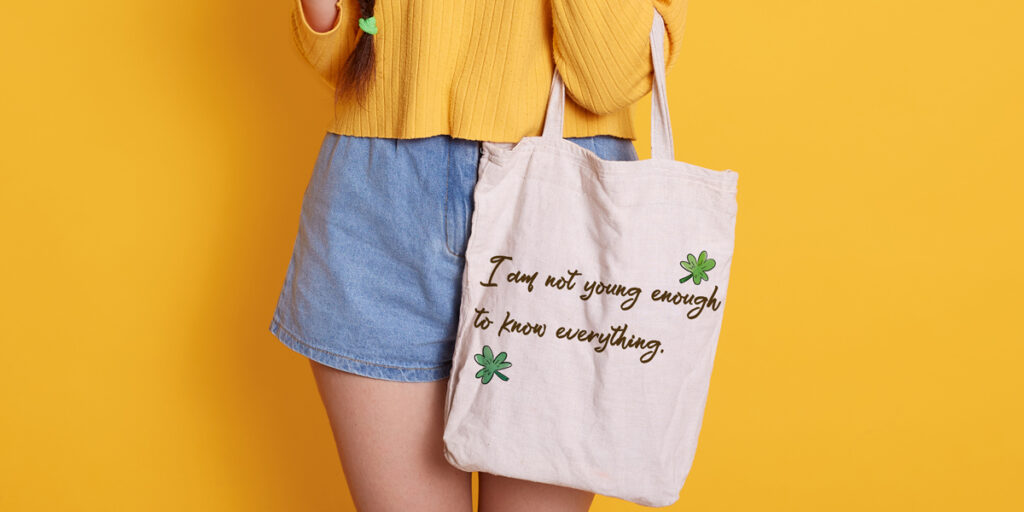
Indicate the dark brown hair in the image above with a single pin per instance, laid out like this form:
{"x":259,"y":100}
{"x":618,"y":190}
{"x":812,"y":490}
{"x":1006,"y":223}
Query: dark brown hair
{"x":354,"y":77}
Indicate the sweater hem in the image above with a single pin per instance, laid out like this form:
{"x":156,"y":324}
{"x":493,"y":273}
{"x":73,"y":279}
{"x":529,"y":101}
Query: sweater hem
{"x":587,"y":130}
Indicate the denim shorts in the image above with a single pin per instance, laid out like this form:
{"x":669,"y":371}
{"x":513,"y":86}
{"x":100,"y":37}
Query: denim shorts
{"x":375,"y":278}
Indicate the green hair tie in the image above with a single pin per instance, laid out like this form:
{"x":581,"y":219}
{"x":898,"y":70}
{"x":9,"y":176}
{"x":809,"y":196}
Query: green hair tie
{"x":368,"y":25}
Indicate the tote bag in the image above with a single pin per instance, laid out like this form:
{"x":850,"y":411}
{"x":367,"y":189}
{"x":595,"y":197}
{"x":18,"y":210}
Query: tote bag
{"x":592,"y":300}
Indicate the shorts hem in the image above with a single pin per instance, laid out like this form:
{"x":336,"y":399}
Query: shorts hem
{"x":357,"y":366}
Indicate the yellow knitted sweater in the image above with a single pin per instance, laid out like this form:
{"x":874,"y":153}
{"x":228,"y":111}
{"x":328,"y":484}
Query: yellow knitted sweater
{"x":481,"y":69}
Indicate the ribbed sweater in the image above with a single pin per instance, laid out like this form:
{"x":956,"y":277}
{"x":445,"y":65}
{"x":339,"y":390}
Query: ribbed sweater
{"x":482,"y":69}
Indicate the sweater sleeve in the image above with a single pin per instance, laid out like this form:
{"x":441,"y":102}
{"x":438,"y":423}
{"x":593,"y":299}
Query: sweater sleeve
{"x":326,"y":51}
{"x":602,"y":48}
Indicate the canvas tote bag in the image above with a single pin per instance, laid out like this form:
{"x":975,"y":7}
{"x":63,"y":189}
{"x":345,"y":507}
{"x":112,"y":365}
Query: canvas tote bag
{"x":592,"y":300}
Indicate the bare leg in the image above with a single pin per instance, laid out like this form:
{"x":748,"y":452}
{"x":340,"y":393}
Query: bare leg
{"x":388,"y":437}
{"x":501,"y":494}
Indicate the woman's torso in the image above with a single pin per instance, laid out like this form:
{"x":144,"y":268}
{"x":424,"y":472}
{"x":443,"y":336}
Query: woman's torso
{"x":481,"y":70}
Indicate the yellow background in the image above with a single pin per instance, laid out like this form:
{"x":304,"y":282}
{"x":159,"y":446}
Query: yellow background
{"x":154,"y":156}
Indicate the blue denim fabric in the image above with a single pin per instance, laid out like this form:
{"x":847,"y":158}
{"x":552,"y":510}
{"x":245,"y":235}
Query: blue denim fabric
{"x":374,"y":282}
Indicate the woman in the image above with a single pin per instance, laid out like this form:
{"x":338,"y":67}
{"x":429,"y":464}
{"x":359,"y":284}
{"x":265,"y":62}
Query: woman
{"x":372,"y":291}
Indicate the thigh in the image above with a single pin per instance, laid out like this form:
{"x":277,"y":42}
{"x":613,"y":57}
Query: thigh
{"x":388,"y":437}
{"x":502,"y":494}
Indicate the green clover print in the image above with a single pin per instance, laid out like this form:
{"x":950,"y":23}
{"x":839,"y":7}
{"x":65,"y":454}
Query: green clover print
{"x":491,"y":365}
{"x":697,"y":267}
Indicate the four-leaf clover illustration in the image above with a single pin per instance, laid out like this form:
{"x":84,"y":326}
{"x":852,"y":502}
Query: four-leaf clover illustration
{"x":697,"y":267}
{"x":491,"y":365}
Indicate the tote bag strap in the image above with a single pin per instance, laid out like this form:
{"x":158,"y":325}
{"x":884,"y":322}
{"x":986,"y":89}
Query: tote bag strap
{"x":661,"y":124}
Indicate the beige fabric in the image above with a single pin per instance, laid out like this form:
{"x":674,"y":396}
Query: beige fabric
{"x":617,"y":408}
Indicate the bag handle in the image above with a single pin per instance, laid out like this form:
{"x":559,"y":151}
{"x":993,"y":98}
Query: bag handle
{"x":661,"y":123}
